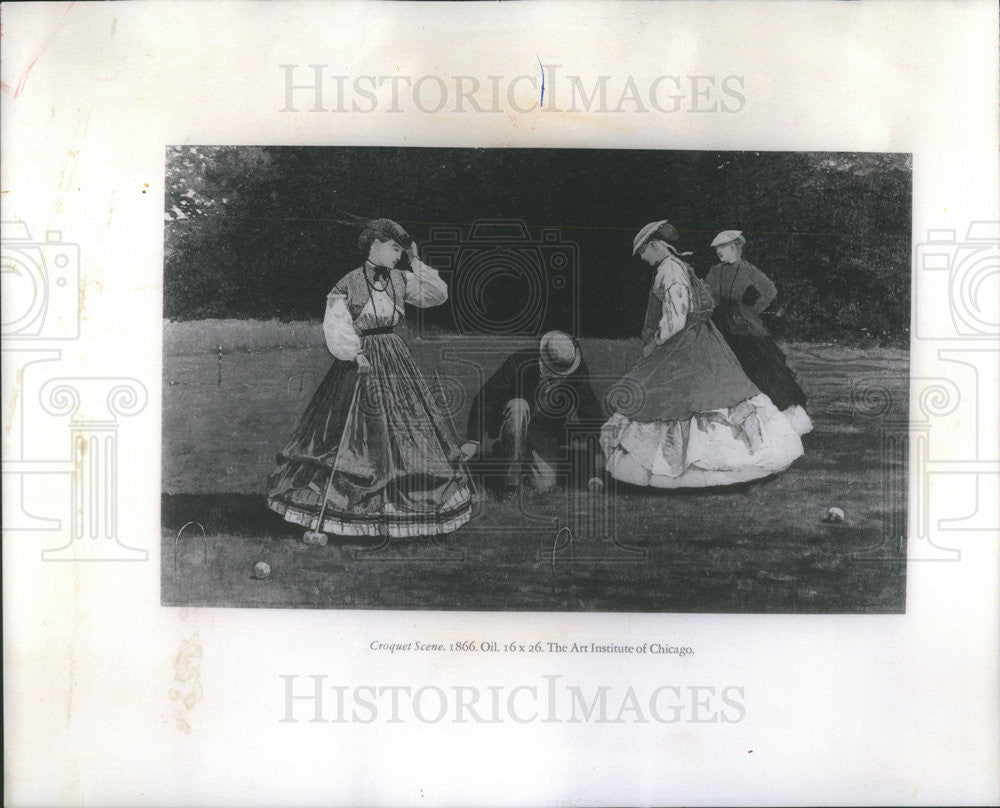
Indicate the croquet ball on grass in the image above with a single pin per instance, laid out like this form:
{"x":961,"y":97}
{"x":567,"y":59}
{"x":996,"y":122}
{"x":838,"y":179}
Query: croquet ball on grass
{"x":834,"y":515}
{"x":261,"y":570}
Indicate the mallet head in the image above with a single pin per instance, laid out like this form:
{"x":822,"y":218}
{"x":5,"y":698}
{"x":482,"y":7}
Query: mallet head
{"x":315,"y":537}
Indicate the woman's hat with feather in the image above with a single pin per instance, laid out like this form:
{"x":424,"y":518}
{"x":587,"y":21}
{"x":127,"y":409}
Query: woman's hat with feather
{"x":661,"y":230}
{"x":382,"y":230}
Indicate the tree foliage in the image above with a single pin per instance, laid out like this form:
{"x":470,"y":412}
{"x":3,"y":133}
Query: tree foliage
{"x":264,"y":232}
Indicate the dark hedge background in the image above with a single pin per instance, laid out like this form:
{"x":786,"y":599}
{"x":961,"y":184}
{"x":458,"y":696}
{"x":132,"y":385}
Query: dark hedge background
{"x":260,"y":232}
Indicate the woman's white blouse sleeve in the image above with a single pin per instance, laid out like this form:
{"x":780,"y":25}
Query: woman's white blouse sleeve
{"x":424,"y":287}
{"x":338,"y":328}
{"x":676,"y":295}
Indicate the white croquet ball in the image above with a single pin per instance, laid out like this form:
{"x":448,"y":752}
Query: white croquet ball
{"x":261,"y":569}
{"x":834,"y":515}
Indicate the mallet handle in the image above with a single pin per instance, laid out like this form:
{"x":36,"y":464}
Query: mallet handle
{"x":336,"y":459}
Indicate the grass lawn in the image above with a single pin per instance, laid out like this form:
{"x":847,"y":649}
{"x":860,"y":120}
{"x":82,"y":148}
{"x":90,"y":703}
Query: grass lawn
{"x":762,"y":548}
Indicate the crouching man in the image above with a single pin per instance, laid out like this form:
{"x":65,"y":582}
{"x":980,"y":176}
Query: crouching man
{"x":536,"y":415}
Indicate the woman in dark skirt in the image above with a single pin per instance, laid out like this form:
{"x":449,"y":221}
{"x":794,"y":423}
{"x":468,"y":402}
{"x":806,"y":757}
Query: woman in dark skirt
{"x":741,"y":293}
{"x":373,"y":454}
{"x":686,"y":415}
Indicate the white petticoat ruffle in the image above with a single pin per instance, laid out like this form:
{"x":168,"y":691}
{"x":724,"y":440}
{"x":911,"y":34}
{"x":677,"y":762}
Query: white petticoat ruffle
{"x":720,"y":447}
{"x":801,"y":422}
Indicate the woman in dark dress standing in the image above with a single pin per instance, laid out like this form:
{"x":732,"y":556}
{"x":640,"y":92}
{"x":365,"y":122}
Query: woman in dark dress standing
{"x":373,"y":454}
{"x":741,"y":293}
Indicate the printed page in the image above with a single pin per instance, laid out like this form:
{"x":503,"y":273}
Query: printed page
{"x":472,"y":403}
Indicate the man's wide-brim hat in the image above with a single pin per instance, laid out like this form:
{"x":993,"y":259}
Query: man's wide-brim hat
{"x":559,"y":353}
{"x":726,"y":237}
{"x":662,"y":230}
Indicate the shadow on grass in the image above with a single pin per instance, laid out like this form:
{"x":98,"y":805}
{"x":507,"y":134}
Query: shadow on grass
{"x":248,"y":514}
{"x":745,"y":489}
{"x":232,"y":514}
{"x":725,"y":553}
